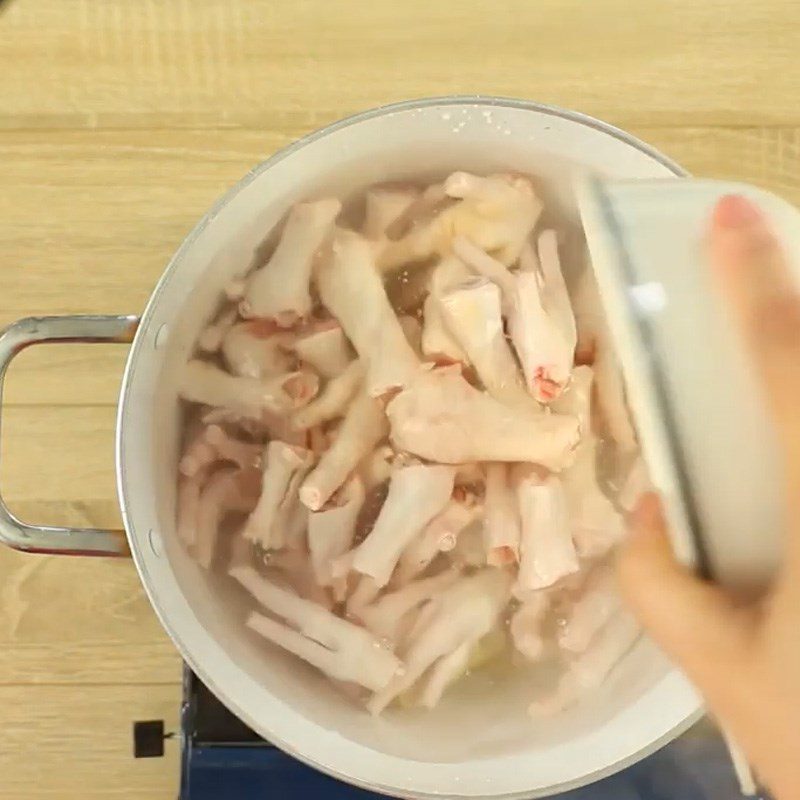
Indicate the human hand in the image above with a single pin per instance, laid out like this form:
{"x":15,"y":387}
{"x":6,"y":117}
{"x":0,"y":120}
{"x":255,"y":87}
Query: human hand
{"x":744,"y":656}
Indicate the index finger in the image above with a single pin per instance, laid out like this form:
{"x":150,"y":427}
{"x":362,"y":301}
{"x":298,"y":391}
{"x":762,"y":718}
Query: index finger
{"x":756,"y":279}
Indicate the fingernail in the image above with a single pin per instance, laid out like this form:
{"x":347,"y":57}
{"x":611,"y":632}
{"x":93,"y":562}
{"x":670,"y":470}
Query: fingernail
{"x":735,"y":212}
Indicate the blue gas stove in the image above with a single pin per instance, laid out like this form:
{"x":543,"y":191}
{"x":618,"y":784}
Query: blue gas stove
{"x":222,"y":758}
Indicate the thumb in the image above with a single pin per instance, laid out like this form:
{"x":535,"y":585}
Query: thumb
{"x":697,"y":624}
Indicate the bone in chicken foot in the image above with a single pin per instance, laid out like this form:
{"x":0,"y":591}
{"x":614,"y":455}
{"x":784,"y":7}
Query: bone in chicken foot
{"x":282,"y":463}
{"x":416,"y":495}
{"x":547,"y":552}
{"x":280,"y":289}
{"x":324,"y":349}
{"x":363,"y":427}
{"x":437,"y":341}
{"x":472,"y":314}
{"x":331,"y":530}
{"x":388,"y":616}
{"x":202,"y":382}
{"x":352,"y":290}
{"x":333,"y":400}
{"x":501,"y":527}
{"x":542,"y":325}
{"x":228,"y":491}
{"x":460,"y":615}
{"x":342,"y":649}
{"x":250,"y":353}
{"x":439,"y":536}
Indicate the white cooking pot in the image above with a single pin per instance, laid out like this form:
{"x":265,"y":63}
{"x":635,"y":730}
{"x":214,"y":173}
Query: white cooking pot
{"x":480,"y":741}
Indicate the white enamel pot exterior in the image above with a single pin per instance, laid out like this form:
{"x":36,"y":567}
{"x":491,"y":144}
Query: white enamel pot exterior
{"x":480,"y":741}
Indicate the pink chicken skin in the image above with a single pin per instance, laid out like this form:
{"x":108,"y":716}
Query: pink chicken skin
{"x":540,"y":317}
{"x":396,"y":439}
{"x":280,"y":290}
{"x":497,"y":213}
{"x":542,"y":324}
{"x":443,"y":418}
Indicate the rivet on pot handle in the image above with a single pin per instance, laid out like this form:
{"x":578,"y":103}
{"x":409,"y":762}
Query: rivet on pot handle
{"x":13,"y":340}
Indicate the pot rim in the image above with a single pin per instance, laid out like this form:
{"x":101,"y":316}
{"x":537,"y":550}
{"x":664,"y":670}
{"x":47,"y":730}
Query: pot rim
{"x":140,"y":341}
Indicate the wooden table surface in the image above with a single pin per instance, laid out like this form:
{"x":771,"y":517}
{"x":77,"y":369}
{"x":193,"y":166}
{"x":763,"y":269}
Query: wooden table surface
{"x":122,"y":120}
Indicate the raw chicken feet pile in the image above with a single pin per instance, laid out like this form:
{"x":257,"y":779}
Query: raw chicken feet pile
{"x":393,"y":432}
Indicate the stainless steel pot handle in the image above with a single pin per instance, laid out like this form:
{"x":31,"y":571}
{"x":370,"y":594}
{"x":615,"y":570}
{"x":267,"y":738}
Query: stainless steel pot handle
{"x":13,"y":340}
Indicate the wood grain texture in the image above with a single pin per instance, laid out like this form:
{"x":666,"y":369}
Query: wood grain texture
{"x":107,"y":209}
{"x":58,"y":453}
{"x":75,"y":743}
{"x":300,"y":63}
{"x":121,"y":122}
{"x":78,"y":621}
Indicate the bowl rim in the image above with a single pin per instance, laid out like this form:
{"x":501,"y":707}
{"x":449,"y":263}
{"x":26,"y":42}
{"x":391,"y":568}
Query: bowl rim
{"x":136,"y":542}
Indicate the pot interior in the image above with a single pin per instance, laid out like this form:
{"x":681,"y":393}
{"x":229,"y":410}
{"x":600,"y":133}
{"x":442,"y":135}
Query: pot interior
{"x":480,"y":741}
